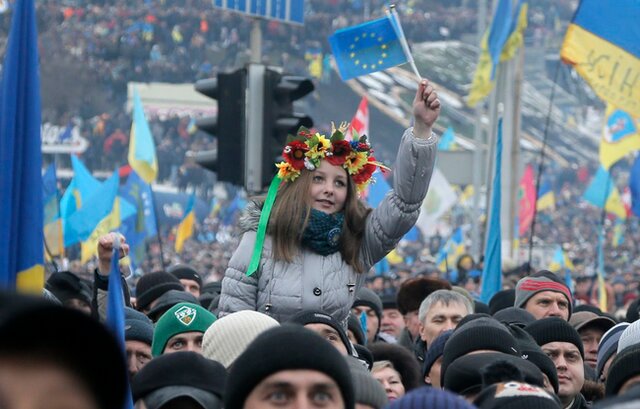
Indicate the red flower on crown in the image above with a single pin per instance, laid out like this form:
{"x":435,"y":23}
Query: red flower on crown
{"x":339,"y":152}
{"x":366,"y":172}
{"x":294,"y":153}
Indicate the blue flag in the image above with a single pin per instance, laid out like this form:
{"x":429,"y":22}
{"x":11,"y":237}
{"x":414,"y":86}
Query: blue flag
{"x":369,"y":47}
{"x":499,"y":32}
{"x":115,"y":311}
{"x":634,"y":186}
{"x":21,"y":213}
{"x":492,"y":271}
{"x":447,"y":140}
{"x":81,"y":224}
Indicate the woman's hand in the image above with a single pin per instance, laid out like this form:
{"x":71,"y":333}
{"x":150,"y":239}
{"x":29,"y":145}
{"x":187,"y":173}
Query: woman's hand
{"x":426,"y":109}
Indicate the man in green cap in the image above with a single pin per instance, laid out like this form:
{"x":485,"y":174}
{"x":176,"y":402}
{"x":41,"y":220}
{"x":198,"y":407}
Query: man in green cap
{"x":181,"y":328}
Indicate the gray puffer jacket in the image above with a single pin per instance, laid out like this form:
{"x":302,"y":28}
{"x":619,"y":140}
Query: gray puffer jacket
{"x":328,"y":283}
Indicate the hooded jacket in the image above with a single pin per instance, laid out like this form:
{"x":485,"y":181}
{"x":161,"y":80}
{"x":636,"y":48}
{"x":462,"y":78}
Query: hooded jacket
{"x":327,"y":283}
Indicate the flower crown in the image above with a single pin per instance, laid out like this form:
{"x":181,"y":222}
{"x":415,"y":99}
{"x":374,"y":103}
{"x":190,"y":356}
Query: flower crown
{"x":306,"y":150}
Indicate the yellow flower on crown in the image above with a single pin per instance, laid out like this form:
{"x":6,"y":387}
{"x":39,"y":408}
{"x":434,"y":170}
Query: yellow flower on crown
{"x":319,"y":148}
{"x":287,"y":172}
{"x":356,"y":161}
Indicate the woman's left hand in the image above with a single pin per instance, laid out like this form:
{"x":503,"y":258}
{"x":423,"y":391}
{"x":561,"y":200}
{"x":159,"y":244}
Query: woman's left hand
{"x":426,"y":109}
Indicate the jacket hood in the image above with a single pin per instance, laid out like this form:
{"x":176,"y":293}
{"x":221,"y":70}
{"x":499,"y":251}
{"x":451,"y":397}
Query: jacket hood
{"x":250,"y":217}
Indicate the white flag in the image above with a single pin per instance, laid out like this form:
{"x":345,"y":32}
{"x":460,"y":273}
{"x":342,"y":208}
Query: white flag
{"x":440,"y":198}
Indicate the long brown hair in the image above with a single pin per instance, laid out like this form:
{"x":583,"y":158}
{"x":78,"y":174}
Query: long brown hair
{"x":290,"y":217}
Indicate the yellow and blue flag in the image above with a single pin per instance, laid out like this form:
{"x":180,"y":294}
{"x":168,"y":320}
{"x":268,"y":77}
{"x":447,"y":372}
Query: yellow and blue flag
{"x":546,"y":197}
{"x":603,"y":45}
{"x":500,"y":43}
{"x":602,"y":192}
{"x":142,"y":149}
{"x":137,"y":229}
{"x":492,"y":271}
{"x":560,"y":261}
{"x":452,"y":249}
{"x":447,"y":140}
{"x":83,"y":222}
{"x":620,"y":136}
{"x":618,"y":233}
{"x":21,"y":213}
{"x":602,"y":289}
{"x":53,"y":237}
{"x":369,"y":47}
{"x":185,"y":228}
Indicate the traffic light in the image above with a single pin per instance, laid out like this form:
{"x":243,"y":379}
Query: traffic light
{"x":280,"y":120}
{"x":228,"y":127}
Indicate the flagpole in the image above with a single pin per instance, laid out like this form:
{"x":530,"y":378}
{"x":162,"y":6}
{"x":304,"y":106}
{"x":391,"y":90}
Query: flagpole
{"x":392,"y":14}
{"x":543,"y":152}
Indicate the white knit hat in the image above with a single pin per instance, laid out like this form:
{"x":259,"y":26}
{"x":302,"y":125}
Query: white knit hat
{"x":230,"y":335}
{"x":630,"y":336}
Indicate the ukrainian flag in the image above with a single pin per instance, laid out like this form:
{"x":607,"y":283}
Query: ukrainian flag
{"x":603,"y":45}
{"x":369,"y":47}
{"x":561,"y":261}
{"x":53,"y":237}
{"x":602,"y":192}
{"x":21,"y":213}
{"x":452,"y":249}
{"x":546,"y":197}
{"x":500,"y":43}
{"x":620,"y":136}
{"x":142,"y":150}
{"x":185,"y":228}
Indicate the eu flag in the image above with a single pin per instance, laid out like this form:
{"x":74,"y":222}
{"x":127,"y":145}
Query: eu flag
{"x":366,"y":48}
{"x":21,"y":212}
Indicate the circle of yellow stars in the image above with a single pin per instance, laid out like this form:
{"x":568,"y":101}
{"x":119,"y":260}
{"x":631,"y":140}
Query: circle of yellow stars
{"x":383,"y":53}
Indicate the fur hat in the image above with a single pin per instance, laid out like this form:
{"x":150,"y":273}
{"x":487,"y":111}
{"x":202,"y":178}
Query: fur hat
{"x":403,"y":361}
{"x":413,"y":291}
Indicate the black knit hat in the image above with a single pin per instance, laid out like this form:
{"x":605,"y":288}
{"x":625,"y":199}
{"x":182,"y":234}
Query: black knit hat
{"x":42,"y":332}
{"x":533,"y":353}
{"x":137,"y":326}
{"x":514,"y":315}
{"x":501,"y":300}
{"x":318,"y":317}
{"x":624,"y":366}
{"x":151,"y":286}
{"x":505,"y":385}
{"x":368,"y":298}
{"x":481,"y":308}
{"x":554,"y":329}
{"x":389,"y":302}
{"x":465,"y":374}
{"x":435,"y":351}
{"x":632,"y":311}
{"x":67,"y":286}
{"x":412,"y":292}
{"x":479,"y":334}
{"x":185,"y":373}
{"x":186,"y":272}
{"x":353,"y":325}
{"x":431,"y":398}
{"x":287,"y":347}
{"x":168,"y":300}
{"x":368,"y":390}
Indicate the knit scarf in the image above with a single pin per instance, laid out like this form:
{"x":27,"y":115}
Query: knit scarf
{"x":323,"y":232}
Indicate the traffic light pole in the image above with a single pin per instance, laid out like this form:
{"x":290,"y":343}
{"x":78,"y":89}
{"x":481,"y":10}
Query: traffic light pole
{"x":254,"y":115}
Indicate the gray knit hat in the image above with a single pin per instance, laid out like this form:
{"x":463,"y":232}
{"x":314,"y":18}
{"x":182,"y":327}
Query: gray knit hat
{"x":368,"y":298}
{"x":229,"y":336}
{"x":609,"y":345}
{"x":137,"y":326}
{"x":630,"y":336}
{"x":368,"y":391}
{"x":543,"y":280}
